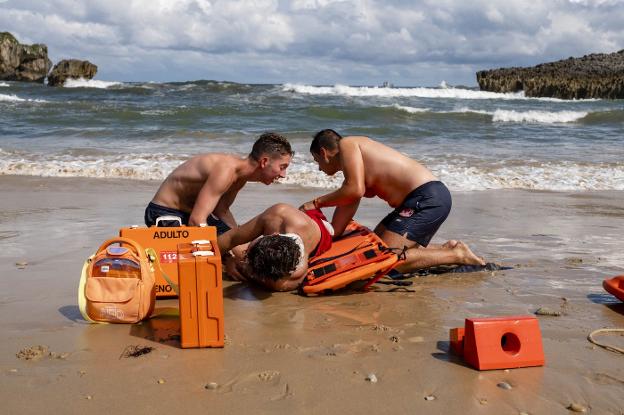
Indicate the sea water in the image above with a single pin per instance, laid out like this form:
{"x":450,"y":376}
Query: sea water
{"x":472,"y":140}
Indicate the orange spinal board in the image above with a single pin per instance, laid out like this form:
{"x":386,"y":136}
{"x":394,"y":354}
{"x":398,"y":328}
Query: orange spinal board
{"x":357,"y":255}
{"x":201,"y":295}
{"x":165,"y":242}
{"x":499,"y":342}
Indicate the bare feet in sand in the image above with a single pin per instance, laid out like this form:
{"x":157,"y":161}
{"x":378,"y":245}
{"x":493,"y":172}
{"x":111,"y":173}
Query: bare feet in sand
{"x":450,"y":244}
{"x":466,"y":256}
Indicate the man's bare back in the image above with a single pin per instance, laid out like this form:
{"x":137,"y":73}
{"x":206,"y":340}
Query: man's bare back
{"x":422,"y":203}
{"x":181,"y":188}
{"x":389,"y":174}
{"x":279,"y":218}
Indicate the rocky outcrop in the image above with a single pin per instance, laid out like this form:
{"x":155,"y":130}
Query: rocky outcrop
{"x":71,"y":69}
{"x":22,"y":62}
{"x":599,"y":75}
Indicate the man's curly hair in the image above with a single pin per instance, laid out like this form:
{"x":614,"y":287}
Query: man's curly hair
{"x":271,"y":144}
{"x":273,"y":257}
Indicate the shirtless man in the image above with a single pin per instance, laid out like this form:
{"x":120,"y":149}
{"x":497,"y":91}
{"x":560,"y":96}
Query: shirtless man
{"x":202,"y":189}
{"x":421,"y":202}
{"x":281,"y":240}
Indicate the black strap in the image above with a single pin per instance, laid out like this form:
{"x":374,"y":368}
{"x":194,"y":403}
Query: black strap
{"x":324,"y":260}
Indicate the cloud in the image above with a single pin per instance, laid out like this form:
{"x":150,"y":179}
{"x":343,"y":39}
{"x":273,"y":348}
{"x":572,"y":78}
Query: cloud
{"x":316,"y":41}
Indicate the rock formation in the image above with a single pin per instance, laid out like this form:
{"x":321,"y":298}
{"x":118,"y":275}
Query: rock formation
{"x":22,"y":62}
{"x":71,"y":69}
{"x":599,"y":75}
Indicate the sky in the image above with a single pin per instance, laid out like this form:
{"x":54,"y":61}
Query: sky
{"x":318,"y":42}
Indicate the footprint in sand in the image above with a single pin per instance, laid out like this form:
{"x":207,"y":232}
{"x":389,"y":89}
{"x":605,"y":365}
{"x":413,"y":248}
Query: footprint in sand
{"x":267,"y":383}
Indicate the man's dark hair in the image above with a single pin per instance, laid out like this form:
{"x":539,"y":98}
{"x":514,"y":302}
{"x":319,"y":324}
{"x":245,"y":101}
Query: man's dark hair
{"x":273,"y":257}
{"x":325,"y":139}
{"x":271,"y":144}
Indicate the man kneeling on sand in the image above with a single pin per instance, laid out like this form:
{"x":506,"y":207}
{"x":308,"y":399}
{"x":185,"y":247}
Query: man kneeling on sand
{"x":280,"y":240}
{"x":421,"y":202}
{"x":202,"y":189}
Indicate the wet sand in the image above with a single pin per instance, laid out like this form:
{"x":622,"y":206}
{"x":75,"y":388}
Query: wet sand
{"x":290,"y":354}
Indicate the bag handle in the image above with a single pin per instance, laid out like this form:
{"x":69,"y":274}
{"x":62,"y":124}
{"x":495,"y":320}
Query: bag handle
{"x":171,"y":217}
{"x":121,"y":240}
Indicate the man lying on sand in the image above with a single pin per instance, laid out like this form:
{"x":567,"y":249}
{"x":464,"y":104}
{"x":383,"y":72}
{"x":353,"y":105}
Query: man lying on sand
{"x":281,"y":240}
{"x":202,"y":189}
{"x":421,"y":202}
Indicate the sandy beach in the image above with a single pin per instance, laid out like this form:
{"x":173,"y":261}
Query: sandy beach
{"x":289,"y":354}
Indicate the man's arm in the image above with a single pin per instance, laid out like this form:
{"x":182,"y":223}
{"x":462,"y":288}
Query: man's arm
{"x":215,"y":186}
{"x":342,"y":217}
{"x":242,"y":234}
{"x":354,"y":185}
{"x":222,"y":210}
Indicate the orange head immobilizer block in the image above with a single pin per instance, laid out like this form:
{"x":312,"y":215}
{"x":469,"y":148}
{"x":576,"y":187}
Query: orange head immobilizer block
{"x":201,"y":294}
{"x":499,"y":342}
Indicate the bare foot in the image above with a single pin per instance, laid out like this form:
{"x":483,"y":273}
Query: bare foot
{"x":466,"y":256}
{"x":450,"y":244}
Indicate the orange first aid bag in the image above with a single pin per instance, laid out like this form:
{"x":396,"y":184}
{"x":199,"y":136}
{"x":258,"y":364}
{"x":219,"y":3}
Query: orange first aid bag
{"x":164,"y":241}
{"x":117,"y":283}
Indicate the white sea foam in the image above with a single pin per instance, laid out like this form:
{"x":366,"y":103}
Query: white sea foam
{"x":89,"y":83}
{"x":457,"y":174}
{"x":303,"y":171}
{"x":411,"y":110}
{"x":539,"y":117}
{"x":156,"y":112}
{"x":543,"y":117}
{"x":367,"y":91}
{"x":444,"y":91}
{"x":556,"y":176}
{"x":15,"y":98}
{"x":127,"y":166}
{"x":11,"y":98}
{"x":4,"y":84}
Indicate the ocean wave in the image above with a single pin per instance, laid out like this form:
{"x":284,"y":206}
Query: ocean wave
{"x":411,"y":110}
{"x":553,"y":176}
{"x":15,"y":98}
{"x":127,"y":166}
{"x":542,"y":117}
{"x":89,"y":83}
{"x":157,"y":112}
{"x":458,"y":175}
{"x":4,"y":84}
{"x":444,"y":91}
{"x":499,"y":115}
{"x":374,"y":91}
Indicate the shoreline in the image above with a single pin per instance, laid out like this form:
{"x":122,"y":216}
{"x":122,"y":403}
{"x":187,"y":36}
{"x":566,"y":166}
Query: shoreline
{"x":287,"y":353}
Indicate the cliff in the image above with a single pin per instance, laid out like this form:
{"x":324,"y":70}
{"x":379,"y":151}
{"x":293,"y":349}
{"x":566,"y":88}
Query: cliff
{"x":599,"y":75}
{"x":22,"y":62}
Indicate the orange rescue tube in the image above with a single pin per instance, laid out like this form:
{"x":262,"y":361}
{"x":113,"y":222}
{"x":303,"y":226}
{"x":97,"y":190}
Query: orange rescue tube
{"x":615,"y":286}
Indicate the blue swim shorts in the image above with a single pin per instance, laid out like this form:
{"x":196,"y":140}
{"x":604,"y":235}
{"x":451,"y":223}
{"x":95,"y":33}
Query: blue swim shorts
{"x":154,"y":211}
{"x":422,"y":212}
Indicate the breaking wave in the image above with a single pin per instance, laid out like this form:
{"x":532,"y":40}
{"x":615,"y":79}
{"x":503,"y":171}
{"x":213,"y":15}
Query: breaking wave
{"x":89,"y":83}
{"x":458,"y":175}
{"x":419,"y":92}
{"x":499,"y":115}
{"x":15,"y":98}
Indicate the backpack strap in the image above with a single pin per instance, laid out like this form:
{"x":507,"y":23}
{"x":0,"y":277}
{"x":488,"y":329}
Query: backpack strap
{"x":153,"y":258}
{"x":82,"y":300}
